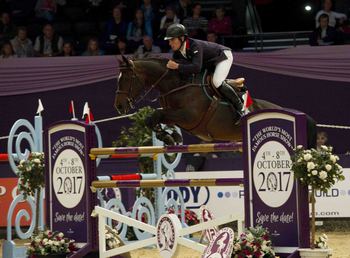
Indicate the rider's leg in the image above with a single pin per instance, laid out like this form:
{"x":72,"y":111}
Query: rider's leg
{"x":221,"y":71}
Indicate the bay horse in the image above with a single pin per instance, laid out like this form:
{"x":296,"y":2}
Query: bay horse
{"x":184,"y":104}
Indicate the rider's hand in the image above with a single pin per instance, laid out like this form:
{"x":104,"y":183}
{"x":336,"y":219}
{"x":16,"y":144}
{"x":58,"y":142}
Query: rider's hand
{"x":172,"y":65}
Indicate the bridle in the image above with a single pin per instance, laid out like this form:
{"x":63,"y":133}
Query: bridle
{"x":134,"y":79}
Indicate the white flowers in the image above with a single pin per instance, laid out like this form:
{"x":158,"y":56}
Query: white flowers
{"x":310,"y":165}
{"x":314,"y":172}
{"x":328,"y":167}
{"x":307,"y":157}
{"x":323,"y":174}
{"x":322,"y":242}
{"x":333,"y":158}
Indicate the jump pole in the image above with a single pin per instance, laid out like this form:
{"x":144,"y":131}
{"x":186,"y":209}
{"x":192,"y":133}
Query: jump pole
{"x":166,"y":183}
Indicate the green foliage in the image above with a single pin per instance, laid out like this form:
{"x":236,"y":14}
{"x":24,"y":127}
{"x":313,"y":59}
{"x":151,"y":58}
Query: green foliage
{"x":31,"y":174}
{"x":317,"y":168}
{"x":138,"y":134}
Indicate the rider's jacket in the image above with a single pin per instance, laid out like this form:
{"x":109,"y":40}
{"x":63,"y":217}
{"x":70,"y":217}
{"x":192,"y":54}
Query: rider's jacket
{"x":199,"y":55}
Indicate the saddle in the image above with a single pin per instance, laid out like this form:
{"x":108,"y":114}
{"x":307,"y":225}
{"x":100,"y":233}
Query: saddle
{"x":236,"y":84}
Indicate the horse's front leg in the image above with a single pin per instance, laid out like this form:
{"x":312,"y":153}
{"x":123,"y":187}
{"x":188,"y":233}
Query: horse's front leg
{"x":154,"y":122}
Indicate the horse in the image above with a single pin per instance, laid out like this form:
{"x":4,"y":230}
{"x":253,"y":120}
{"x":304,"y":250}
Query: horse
{"x":184,"y":104}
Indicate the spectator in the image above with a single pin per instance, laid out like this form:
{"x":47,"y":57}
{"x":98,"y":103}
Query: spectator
{"x":212,"y":37}
{"x":121,"y":47}
{"x":93,"y":48}
{"x":68,"y":49}
{"x":322,"y":139}
{"x":333,"y":16}
{"x":137,"y":29}
{"x":116,"y":27}
{"x":7,"y":51}
{"x":147,"y":49}
{"x":168,"y":19}
{"x":183,"y":9}
{"x":196,"y":25}
{"x":48,"y":44}
{"x":22,"y":45}
{"x":324,"y":35}
{"x":46,"y":9}
{"x":221,"y":24}
{"x":148,"y":13}
{"x":7,"y":28}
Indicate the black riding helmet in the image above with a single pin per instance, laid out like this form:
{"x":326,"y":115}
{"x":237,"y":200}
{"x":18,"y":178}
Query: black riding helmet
{"x":175,"y":31}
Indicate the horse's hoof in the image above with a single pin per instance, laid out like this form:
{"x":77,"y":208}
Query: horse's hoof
{"x":168,"y":140}
{"x":177,"y":137}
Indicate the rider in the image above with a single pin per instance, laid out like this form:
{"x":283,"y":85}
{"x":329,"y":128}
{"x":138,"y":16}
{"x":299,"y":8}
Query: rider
{"x":202,"y":54}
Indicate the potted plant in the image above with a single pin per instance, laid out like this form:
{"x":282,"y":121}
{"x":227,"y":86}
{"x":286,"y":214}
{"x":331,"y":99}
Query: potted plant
{"x":32,"y":179}
{"x":319,"y":169}
{"x":48,"y":244}
{"x":254,"y":242}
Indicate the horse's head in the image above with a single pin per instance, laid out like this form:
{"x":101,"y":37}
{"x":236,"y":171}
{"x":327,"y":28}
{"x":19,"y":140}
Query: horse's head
{"x":129,"y":87}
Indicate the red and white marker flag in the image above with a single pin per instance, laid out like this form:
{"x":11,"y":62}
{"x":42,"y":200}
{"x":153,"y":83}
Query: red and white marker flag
{"x":248,"y":101}
{"x":72,"y":110}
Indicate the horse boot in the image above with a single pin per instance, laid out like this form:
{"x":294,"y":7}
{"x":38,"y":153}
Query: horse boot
{"x":230,"y":94}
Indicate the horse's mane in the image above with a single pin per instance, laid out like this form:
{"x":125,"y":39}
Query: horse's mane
{"x":160,"y":60}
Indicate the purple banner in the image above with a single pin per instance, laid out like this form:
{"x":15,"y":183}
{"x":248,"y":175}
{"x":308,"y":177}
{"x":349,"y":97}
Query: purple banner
{"x":68,"y":193}
{"x":273,"y":195}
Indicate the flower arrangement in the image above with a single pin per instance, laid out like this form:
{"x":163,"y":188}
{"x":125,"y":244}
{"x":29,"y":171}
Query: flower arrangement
{"x":31,"y":174}
{"x":318,"y":169}
{"x":112,"y":238}
{"x":253,"y":243}
{"x":48,"y":242}
{"x":190,"y":216}
{"x":321,"y":242}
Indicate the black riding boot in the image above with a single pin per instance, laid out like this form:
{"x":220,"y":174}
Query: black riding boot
{"x":229,"y":93}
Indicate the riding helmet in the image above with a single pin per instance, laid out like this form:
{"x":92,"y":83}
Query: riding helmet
{"x":175,"y":31}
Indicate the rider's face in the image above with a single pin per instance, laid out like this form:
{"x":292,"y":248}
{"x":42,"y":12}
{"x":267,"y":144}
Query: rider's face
{"x":175,"y":44}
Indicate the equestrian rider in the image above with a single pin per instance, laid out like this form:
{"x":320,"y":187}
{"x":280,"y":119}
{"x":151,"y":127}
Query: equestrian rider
{"x":202,"y":54}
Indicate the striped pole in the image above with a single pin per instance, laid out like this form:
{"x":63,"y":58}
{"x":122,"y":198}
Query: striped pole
{"x":166,"y":183}
{"x":192,"y":148}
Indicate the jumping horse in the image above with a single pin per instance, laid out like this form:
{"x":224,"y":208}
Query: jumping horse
{"x":187,"y":105}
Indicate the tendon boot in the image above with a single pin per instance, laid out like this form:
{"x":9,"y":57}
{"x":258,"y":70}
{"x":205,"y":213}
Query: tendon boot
{"x":230,"y":94}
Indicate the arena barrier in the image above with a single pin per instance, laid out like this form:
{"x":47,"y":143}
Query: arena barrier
{"x":272,"y":197}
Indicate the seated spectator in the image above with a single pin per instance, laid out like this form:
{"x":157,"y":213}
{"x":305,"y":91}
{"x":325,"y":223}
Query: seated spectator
{"x":183,"y":9}
{"x":121,"y":47}
{"x":137,"y":29}
{"x":147,"y":49}
{"x":324,"y":35}
{"x":168,"y":19}
{"x":322,"y":139}
{"x":221,"y":24}
{"x":333,"y":16}
{"x":212,"y":37}
{"x":7,"y":28}
{"x":149,"y":13}
{"x":196,"y":25}
{"x":22,"y":45}
{"x":49,"y":43}
{"x":93,"y":48}
{"x":116,"y":27}
{"x":46,"y":9}
{"x":68,"y":49}
{"x":7,"y":51}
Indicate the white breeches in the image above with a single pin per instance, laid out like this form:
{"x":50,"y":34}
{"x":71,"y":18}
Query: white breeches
{"x":222,"y":69}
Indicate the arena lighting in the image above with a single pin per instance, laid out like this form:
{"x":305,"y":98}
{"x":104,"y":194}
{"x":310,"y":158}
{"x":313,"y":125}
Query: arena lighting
{"x":308,"y":8}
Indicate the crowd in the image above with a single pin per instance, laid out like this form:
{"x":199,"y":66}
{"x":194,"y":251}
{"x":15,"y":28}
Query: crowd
{"x":96,"y":27}
{"x":332,"y":28}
